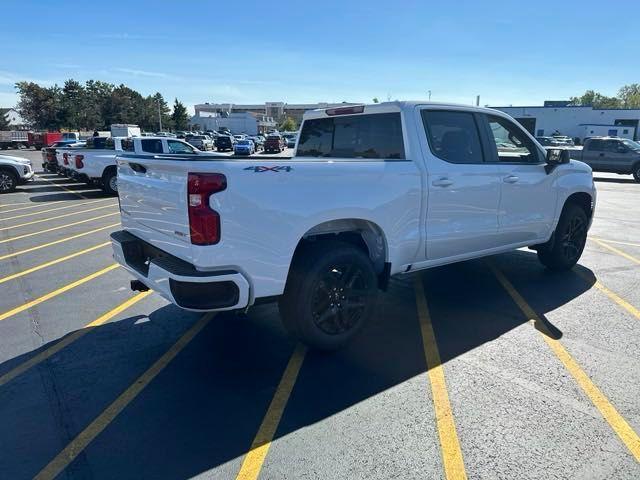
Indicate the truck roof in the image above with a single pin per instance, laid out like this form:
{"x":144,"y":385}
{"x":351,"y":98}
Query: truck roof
{"x":396,"y":106}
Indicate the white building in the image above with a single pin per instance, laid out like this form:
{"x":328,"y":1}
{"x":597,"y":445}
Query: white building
{"x":15,"y":119}
{"x":577,"y":122}
{"x":276,"y":110}
{"x":240,"y":122}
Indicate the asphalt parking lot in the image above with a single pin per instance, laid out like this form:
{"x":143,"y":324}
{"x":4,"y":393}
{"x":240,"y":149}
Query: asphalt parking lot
{"x":485,"y":369}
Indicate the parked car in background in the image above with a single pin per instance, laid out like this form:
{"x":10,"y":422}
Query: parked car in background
{"x":258,"y":141}
{"x":547,"y":141}
{"x":13,"y":172}
{"x":274,"y":143}
{"x":244,"y":147}
{"x":225,"y":143}
{"x":64,"y":154}
{"x":412,"y":186}
{"x":201,"y":142}
{"x":49,"y":158}
{"x":291,"y":142}
{"x":95,"y":163}
{"x":610,"y":154}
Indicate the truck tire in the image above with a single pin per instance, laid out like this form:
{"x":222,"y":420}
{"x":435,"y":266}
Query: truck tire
{"x":330,"y":292}
{"x":110,"y":182}
{"x":8,"y":181}
{"x":566,"y":245}
{"x":636,"y":172}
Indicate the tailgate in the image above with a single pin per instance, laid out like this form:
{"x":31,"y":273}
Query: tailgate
{"x":153,"y":193}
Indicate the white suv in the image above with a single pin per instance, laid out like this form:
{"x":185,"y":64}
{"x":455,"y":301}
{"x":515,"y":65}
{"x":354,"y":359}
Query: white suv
{"x":14,"y":171}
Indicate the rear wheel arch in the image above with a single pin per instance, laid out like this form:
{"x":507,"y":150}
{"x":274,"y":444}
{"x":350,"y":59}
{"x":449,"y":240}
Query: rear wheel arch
{"x":364,"y":234}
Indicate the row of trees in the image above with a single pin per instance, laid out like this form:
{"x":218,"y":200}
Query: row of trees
{"x":95,"y":106}
{"x":628,"y":97}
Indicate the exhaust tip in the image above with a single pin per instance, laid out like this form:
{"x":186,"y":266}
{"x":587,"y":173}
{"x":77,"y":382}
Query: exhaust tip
{"x":138,"y":286}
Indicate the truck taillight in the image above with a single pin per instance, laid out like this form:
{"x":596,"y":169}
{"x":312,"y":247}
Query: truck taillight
{"x":79,"y":163}
{"x":65,"y":158}
{"x":204,"y":222}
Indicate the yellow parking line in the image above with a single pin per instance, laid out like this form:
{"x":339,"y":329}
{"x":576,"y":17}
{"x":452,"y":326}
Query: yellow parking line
{"x":53,"y":209}
{"x":69,"y":339}
{"x":254,"y":459}
{"x":59,"y":216}
{"x":613,"y":296}
{"x":19,"y":237}
{"x":52,"y":262}
{"x":619,"y":425}
{"x":55,"y":242}
{"x":62,"y":187}
{"x":618,"y":242}
{"x":25,"y":203}
{"x":55,"y":293}
{"x":617,"y":251}
{"x":84,"y":438}
{"x":449,"y":444}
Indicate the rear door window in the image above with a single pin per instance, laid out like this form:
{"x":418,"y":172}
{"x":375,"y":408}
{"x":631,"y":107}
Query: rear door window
{"x":453,"y":136}
{"x":353,"y":136}
{"x":596,"y":145}
{"x":151,"y":145}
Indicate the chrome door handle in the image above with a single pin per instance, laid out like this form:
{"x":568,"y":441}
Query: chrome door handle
{"x":511,"y":179}
{"x":442,"y":182}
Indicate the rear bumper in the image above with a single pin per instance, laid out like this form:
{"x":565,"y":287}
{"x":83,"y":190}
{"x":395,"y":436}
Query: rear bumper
{"x":179,"y":281}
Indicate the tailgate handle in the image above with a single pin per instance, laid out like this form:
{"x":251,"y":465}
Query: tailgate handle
{"x":136,"y":167}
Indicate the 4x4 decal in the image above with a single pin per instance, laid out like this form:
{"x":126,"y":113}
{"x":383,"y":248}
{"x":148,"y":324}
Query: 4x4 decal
{"x":277,"y":168}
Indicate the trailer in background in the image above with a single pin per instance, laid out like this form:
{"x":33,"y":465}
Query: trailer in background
{"x":13,"y":139}
{"x":125,"y":130}
{"x":39,"y":140}
{"x":600,"y":130}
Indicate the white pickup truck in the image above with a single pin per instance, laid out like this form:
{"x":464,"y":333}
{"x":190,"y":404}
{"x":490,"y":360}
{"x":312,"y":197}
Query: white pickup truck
{"x":372,"y":191}
{"x":96,"y":163}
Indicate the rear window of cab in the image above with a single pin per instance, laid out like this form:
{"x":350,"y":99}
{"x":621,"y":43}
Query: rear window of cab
{"x":376,"y":135}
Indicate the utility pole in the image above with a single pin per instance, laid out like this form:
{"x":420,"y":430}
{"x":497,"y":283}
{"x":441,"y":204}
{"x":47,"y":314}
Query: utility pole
{"x":429,"y":93}
{"x":159,"y":115}
{"x":477,"y":100}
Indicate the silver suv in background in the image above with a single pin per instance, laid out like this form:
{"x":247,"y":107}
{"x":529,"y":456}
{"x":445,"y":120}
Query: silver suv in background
{"x":201,"y":142}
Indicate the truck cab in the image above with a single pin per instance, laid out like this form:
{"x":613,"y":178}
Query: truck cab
{"x":612,"y":154}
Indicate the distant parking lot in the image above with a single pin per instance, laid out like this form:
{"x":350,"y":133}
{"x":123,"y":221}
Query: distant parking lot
{"x":539,"y":372}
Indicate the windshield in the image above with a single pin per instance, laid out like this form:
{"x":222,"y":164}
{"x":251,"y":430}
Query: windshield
{"x":244,"y":142}
{"x":631,"y":144}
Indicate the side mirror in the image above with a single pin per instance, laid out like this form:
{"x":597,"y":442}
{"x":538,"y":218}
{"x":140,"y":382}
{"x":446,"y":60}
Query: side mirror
{"x":555,"y":157}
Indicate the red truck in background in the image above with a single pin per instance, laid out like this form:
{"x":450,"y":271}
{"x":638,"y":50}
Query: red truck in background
{"x":39,"y":140}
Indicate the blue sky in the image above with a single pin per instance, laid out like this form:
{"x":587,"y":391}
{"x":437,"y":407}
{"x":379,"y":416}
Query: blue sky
{"x":509,"y":52}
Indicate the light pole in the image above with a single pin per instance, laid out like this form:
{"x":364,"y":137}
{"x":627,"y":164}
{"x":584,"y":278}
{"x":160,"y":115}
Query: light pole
{"x":429,"y":93}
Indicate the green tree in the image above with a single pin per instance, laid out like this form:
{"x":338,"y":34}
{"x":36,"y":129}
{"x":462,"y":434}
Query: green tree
{"x":180,"y":116}
{"x":375,"y":100}
{"x":629,"y":95}
{"x":596,"y":100}
{"x":4,"y":121}
{"x":289,"y":125}
{"x":40,"y":106}
{"x":155,"y":106}
{"x":72,"y":105}
{"x":124,"y":106}
{"x":97,"y":96}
